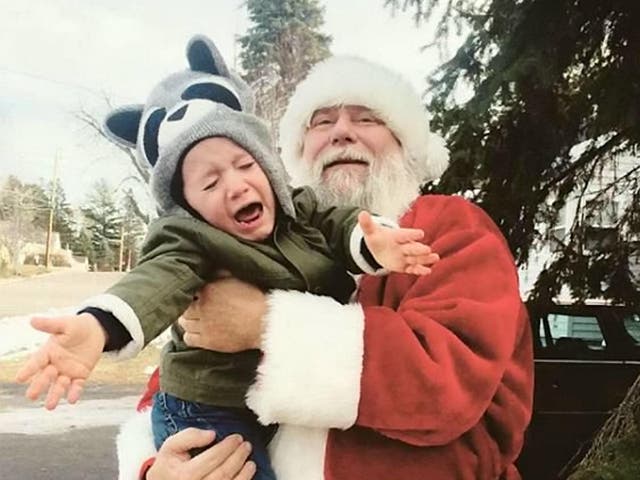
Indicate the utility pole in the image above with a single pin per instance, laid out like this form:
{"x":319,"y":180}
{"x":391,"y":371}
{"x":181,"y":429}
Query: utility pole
{"x":121,"y":249}
{"x":52,"y":206}
{"x":128,"y":267}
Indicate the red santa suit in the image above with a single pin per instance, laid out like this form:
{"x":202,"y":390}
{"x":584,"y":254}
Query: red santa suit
{"x":427,"y":377}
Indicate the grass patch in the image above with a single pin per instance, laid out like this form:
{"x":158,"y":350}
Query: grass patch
{"x":108,"y":371}
{"x":25,"y":271}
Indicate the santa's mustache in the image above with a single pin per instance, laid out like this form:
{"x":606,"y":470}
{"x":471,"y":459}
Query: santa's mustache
{"x":343,"y":155}
{"x":387,"y":188}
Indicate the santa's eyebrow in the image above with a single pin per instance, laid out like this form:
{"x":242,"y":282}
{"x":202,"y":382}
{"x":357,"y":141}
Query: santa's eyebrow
{"x":322,"y":110}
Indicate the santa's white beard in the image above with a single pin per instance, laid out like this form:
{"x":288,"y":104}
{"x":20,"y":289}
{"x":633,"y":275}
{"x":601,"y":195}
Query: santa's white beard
{"x":388,"y":187}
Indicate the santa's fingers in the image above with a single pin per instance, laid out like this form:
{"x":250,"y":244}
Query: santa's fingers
{"x":193,"y":340}
{"x":213,"y":457}
{"x":191,"y":325}
{"x":234,"y":465}
{"x":247,"y":472}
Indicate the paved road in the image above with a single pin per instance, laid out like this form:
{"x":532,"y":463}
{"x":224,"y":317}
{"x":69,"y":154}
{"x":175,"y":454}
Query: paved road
{"x":53,"y":290}
{"x":73,"y":442}
{"x":70,"y":449}
{"x":77,"y":455}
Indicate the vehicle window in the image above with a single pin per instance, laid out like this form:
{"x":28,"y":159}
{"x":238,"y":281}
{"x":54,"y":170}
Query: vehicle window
{"x":632,"y":325}
{"x":575,"y":333}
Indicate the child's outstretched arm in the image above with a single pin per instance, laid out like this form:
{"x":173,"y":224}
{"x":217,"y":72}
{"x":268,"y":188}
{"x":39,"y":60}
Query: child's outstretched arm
{"x":63,"y":363}
{"x":397,"y":249}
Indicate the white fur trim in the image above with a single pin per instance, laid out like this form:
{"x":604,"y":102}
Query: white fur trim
{"x":134,"y":445}
{"x":310,"y":372}
{"x":295,"y":450}
{"x":355,"y":245}
{"x":357,"y":240}
{"x":348,"y":80}
{"x":125,"y":315}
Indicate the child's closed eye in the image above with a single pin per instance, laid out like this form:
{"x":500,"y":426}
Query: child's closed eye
{"x":210,"y":185}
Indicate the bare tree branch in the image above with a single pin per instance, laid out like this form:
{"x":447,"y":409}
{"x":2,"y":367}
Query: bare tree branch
{"x":96,"y":126}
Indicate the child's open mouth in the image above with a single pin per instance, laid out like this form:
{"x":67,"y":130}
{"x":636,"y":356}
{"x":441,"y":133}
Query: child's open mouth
{"x":248,"y":215}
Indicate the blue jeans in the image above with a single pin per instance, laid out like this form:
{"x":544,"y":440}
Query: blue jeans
{"x":171,"y":414}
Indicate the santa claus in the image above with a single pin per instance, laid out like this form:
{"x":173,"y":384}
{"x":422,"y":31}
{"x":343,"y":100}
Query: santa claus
{"x":421,"y":377}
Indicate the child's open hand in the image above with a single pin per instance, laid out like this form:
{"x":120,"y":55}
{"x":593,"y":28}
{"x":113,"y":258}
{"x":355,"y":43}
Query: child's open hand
{"x":65,"y":360}
{"x":397,"y":249}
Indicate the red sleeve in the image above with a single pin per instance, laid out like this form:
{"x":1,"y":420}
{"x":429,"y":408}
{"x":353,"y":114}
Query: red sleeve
{"x":145,"y":468}
{"x":439,"y":349}
{"x":153,"y":385}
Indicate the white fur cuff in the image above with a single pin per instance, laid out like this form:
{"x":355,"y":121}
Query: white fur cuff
{"x":125,"y":315}
{"x":357,"y":239}
{"x":134,"y":445}
{"x":296,"y":449}
{"x":310,"y":372}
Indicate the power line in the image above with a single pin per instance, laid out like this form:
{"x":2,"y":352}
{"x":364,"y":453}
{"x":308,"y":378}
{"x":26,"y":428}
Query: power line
{"x":52,"y":80}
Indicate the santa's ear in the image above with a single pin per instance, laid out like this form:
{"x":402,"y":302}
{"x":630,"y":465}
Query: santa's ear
{"x":204,"y":56}
{"x":121,"y":125}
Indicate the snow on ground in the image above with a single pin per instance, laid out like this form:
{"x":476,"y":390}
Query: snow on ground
{"x":17,"y":337}
{"x":35,"y":420}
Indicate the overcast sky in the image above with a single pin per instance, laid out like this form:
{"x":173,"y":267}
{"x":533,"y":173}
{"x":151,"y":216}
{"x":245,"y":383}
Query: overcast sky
{"x":58,"y":56}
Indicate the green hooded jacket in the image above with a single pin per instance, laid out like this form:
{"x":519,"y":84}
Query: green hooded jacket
{"x":181,"y":254}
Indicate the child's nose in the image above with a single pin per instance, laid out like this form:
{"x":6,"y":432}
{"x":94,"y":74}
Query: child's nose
{"x":237,"y":187}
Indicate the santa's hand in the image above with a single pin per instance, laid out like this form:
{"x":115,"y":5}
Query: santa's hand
{"x":65,"y":360}
{"x":397,"y":249}
{"x":224,"y":460}
{"x":226,"y":316}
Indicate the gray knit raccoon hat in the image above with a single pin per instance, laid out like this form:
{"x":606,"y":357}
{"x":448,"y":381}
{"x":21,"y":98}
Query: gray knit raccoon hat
{"x":206,"y":100}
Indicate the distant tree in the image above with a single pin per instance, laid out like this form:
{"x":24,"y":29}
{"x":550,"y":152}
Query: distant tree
{"x":20,"y":205}
{"x":82,"y":244}
{"x":63,"y":222}
{"x":103,"y":223}
{"x":543,"y":77}
{"x":282,"y":44}
{"x":132,"y":230}
{"x":17,"y":196}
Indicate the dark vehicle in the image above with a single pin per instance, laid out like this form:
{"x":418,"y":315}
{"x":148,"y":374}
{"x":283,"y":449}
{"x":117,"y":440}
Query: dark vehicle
{"x":586,"y":358}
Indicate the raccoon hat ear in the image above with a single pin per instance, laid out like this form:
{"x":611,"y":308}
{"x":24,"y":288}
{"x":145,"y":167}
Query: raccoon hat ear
{"x":121,"y":125}
{"x":203,"y":56}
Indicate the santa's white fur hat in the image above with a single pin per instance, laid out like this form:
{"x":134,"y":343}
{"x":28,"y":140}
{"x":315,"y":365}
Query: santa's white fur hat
{"x":349,"y":80}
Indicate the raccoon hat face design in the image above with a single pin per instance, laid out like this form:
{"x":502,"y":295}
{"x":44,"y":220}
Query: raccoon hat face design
{"x":206,"y":100}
